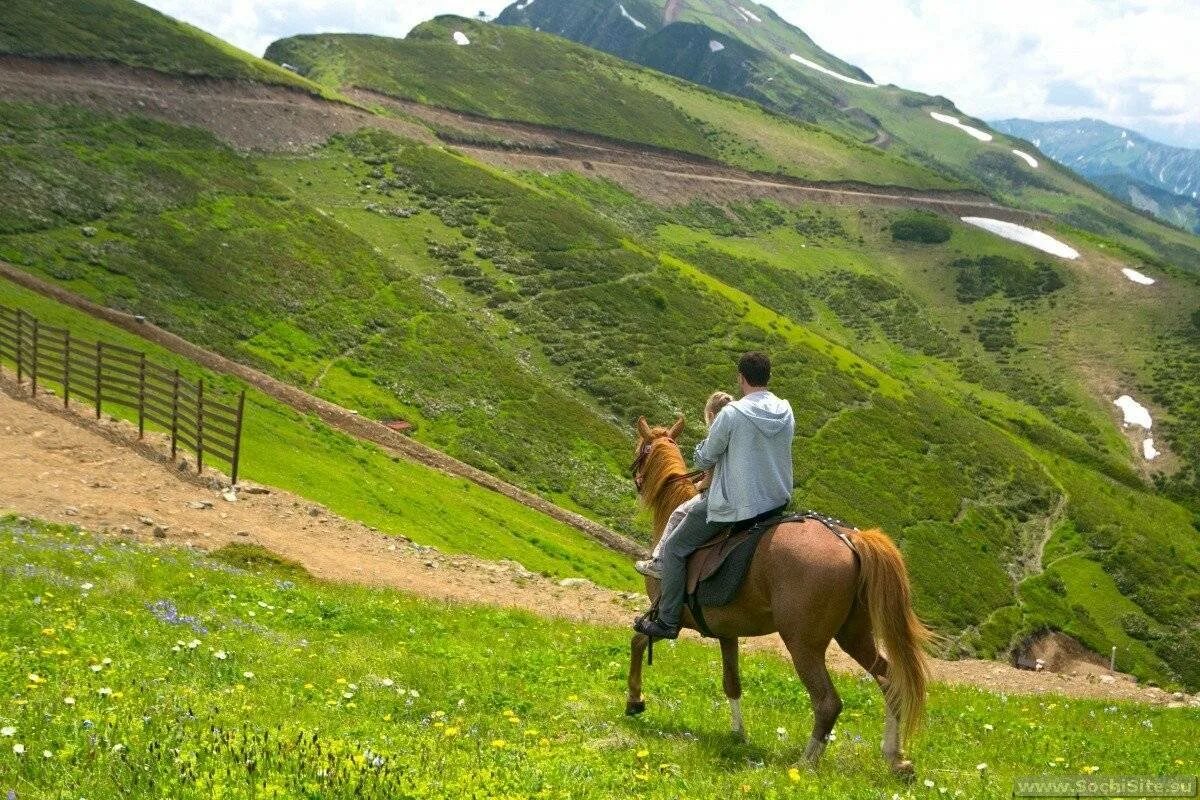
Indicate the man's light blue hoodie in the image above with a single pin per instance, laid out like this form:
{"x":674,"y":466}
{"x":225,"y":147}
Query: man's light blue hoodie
{"x":749,"y":450}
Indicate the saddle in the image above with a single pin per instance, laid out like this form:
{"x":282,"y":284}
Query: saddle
{"x":709,"y":557}
{"x":716,"y":570}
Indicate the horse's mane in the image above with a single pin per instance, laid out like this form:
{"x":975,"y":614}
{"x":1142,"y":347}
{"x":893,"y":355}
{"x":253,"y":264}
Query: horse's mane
{"x":664,"y":486}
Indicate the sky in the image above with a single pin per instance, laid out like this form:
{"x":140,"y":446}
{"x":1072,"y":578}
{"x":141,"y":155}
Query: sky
{"x":1129,"y":62}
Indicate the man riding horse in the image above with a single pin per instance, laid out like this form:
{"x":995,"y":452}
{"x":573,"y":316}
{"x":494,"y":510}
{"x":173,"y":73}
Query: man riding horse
{"x":749,"y":453}
{"x":809,"y":579}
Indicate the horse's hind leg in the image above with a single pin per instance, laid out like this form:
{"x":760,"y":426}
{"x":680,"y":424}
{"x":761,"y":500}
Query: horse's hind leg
{"x":732,"y":679}
{"x":857,"y":639}
{"x":809,"y":660}
{"x":637,"y":648}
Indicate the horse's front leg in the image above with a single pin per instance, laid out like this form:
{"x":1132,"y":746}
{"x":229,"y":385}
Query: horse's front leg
{"x":732,"y":680}
{"x":637,"y":649}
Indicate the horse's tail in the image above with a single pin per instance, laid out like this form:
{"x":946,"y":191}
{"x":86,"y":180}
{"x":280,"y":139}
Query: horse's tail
{"x":884,"y":588}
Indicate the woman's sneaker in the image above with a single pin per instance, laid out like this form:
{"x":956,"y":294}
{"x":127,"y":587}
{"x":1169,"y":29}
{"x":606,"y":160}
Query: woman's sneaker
{"x":650,"y":567}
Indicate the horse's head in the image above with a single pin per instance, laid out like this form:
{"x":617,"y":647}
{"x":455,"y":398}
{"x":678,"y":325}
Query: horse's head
{"x":647,"y":440}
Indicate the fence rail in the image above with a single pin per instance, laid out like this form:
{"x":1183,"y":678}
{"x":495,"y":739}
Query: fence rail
{"x":100,"y":372}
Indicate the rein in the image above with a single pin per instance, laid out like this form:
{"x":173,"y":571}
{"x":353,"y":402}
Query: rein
{"x":635,"y":469}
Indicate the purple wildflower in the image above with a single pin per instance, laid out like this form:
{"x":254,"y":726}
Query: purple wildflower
{"x":165,"y":611}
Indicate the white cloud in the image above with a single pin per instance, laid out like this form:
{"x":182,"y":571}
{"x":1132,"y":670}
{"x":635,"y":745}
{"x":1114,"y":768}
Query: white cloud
{"x":1133,"y":60}
{"x":1130,"y":62}
{"x":254,"y":24}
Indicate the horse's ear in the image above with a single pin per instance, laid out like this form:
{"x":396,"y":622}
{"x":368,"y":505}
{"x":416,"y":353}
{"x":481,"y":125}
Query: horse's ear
{"x":677,"y":428}
{"x":644,"y":429}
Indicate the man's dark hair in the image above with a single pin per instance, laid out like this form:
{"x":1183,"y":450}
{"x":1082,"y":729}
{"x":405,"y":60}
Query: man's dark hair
{"x":755,"y":368}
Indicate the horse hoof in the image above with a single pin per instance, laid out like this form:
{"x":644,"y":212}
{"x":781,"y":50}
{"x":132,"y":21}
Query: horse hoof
{"x":904,"y":769}
{"x":632,"y":709}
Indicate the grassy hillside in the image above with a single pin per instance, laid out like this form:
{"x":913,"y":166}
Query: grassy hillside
{"x":301,"y":454}
{"x":524,"y":322}
{"x":140,"y":671}
{"x":127,"y":32}
{"x":231,"y":261}
{"x":522,"y":75}
{"x":757,"y":63}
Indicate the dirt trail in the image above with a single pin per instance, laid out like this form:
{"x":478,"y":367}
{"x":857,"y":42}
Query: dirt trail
{"x":247,"y":116}
{"x":259,"y":117}
{"x":664,"y":176}
{"x":343,"y":419}
{"x":64,"y":467}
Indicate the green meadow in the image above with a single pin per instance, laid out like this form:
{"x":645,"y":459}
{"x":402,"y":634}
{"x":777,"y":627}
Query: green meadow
{"x":142,"y":671}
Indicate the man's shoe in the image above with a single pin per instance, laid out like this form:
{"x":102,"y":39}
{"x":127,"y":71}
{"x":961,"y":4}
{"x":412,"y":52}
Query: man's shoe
{"x":650,"y":567}
{"x":655,"y":629}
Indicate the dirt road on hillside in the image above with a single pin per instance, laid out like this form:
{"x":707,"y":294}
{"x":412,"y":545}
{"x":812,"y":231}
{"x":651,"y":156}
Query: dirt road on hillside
{"x":247,"y":116}
{"x":259,"y":117}
{"x":68,"y":468}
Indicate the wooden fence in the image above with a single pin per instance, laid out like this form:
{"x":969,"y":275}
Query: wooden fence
{"x":100,"y":372}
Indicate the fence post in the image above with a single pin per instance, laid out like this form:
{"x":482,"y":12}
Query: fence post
{"x":142,"y":396}
{"x":237,"y":438}
{"x":67,"y":369}
{"x":200,"y":427}
{"x":99,"y":375}
{"x":175,"y":414}
{"x":20,"y":348}
{"x":33,"y":366}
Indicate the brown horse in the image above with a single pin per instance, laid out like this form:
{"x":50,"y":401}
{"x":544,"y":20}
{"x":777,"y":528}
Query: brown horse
{"x":805,"y":584}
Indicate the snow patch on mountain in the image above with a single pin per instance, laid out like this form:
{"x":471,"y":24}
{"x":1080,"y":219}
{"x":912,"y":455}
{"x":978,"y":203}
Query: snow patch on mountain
{"x":461,"y":39}
{"x":982,"y":136}
{"x":524,"y":5}
{"x":1134,"y":412}
{"x":1138,"y":415}
{"x":828,"y":71}
{"x":1019,"y":233}
{"x":1137,"y":277}
{"x":637,"y":23}
{"x":748,"y":14}
{"x":715,"y":46}
{"x":1028,"y":159}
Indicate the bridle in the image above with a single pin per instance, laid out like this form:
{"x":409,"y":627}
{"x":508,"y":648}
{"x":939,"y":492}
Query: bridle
{"x":635,"y":469}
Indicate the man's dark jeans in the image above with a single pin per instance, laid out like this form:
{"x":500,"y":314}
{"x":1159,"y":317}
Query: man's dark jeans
{"x":694,"y":531}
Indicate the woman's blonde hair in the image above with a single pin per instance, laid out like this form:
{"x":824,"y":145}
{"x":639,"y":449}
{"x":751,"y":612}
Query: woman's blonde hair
{"x":716,"y":401}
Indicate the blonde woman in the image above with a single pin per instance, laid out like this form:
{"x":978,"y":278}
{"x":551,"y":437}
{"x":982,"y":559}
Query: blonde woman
{"x":652,"y":567}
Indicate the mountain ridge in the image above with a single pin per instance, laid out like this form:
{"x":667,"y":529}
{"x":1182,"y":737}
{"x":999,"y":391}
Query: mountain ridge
{"x":916,"y":126}
{"x":1149,"y":175}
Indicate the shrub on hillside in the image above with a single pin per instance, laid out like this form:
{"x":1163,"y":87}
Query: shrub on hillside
{"x":921,"y":227}
{"x":1016,"y":279}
